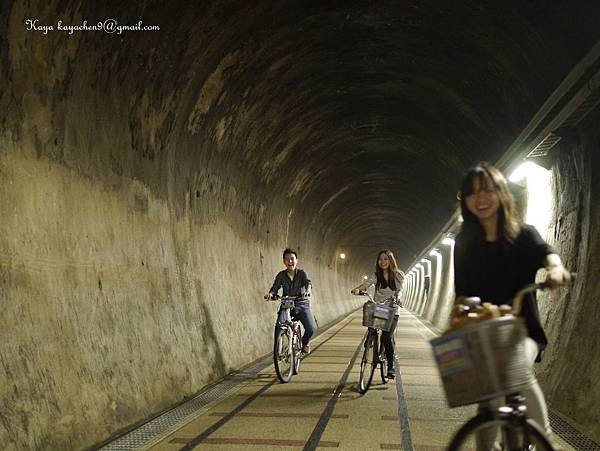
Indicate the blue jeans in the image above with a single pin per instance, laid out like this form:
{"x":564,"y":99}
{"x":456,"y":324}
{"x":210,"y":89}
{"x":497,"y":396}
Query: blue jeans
{"x":301,"y":312}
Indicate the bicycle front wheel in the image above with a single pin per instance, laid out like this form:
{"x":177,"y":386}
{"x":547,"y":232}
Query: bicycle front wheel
{"x":487,"y":433}
{"x":368,"y":362}
{"x":283,"y":355}
{"x":297,"y":348}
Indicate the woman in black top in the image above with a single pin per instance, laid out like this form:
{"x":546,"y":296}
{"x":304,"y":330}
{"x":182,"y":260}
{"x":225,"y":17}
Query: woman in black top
{"x":496,"y":255}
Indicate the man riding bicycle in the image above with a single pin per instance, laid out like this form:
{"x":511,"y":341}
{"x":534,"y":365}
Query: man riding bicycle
{"x":295,"y":282}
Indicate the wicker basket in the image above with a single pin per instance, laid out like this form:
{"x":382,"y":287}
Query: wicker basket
{"x":378,"y":316}
{"x":483,"y":361}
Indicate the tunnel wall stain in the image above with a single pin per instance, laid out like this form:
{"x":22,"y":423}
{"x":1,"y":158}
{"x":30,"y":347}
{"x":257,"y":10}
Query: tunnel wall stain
{"x":113,"y":320}
{"x":150,"y":180}
{"x":133,"y":263}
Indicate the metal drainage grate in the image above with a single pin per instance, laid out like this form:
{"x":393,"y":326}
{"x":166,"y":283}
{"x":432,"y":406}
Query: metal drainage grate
{"x":161,"y":424}
{"x":570,"y":435}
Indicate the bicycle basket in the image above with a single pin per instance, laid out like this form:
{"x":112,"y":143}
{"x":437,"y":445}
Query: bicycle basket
{"x":483,"y":361}
{"x":287,"y":303}
{"x":378,"y":316}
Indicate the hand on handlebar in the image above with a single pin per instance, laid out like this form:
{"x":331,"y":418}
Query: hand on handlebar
{"x":276,"y":297}
{"x":558,"y":276}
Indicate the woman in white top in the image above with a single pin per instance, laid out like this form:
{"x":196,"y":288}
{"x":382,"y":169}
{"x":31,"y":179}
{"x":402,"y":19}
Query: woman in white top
{"x":387,"y":280}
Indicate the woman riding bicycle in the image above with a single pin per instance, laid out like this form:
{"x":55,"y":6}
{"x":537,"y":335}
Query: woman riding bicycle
{"x":388,"y":281}
{"x":496,"y":254}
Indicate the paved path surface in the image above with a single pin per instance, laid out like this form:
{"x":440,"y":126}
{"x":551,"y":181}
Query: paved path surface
{"x":321,"y":406}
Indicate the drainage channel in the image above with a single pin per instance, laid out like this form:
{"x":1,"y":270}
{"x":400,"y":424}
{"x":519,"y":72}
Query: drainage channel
{"x":571,"y":435}
{"x":157,"y":427}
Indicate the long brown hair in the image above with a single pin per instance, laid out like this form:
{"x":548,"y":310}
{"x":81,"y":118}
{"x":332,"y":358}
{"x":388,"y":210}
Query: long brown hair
{"x":392,"y":271}
{"x":509,"y":223}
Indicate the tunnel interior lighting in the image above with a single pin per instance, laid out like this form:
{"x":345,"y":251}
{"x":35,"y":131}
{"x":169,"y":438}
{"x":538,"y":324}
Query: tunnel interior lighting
{"x":538,"y":184}
{"x":342,"y":255}
{"x":365,"y":277}
{"x":448,"y":241}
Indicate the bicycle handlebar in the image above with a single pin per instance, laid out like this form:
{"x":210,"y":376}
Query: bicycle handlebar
{"x":366,"y":293}
{"x":276,"y":297}
{"x":517,"y":302}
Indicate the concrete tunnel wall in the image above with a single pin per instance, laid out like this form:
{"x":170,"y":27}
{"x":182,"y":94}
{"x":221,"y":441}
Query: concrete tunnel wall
{"x":570,"y":364}
{"x":141,"y":311}
{"x":151,"y":180}
{"x":137,"y":243}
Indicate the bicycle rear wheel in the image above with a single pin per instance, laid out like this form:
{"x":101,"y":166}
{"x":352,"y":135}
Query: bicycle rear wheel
{"x":383,"y":364}
{"x":283,"y":355}
{"x":486,"y":433}
{"x":368,"y":362}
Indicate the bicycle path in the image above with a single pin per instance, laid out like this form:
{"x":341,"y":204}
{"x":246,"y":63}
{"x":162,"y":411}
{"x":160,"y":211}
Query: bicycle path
{"x":322,"y":408}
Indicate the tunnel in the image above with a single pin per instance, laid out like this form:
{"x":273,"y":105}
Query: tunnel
{"x":157,"y":157}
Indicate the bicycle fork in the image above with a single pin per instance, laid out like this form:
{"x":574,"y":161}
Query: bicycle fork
{"x":515,"y":435}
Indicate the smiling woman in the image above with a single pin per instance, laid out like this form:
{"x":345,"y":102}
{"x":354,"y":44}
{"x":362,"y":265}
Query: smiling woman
{"x":487,"y":205}
{"x":496,"y":255}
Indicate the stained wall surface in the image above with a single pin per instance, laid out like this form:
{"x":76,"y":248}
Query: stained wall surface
{"x":150,"y":179}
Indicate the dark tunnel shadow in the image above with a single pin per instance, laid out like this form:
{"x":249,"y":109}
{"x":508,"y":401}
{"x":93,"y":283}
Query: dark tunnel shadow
{"x":209,"y":337}
{"x":353,"y":387}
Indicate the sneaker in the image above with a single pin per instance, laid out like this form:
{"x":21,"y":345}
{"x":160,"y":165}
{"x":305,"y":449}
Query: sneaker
{"x":391,"y":374}
{"x":306,"y":349}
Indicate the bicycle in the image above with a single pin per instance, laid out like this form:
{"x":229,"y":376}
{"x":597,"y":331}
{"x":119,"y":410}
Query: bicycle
{"x":287,"y":347}
{"x":376,"y":317}
{"x":498,"y":346}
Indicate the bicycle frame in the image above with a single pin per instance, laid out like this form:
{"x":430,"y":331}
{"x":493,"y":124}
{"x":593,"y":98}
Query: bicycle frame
{"x":293,"y":326}
{"x":289,"y":322}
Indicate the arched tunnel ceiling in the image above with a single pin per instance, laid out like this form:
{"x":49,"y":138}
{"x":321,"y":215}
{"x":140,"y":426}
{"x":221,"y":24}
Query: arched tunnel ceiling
{"x":378,"y":107}
{"x":361,"y":114}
